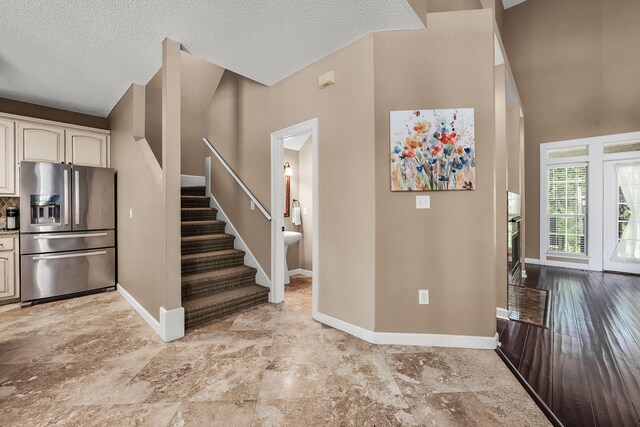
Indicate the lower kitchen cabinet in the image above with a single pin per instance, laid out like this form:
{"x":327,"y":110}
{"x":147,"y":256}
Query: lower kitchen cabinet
{"x":9,"y":269}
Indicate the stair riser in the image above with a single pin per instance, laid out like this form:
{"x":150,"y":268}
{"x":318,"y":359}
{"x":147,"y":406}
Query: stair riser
{"x":211,"y":264}
{"x":200,"y":229}
{"x":199,"y":290}
{"x":194,"y":203}
{"x":192,"y":319}
{"x":206,"y":246}
{"x":208,"y":215}
{"x":193,"y":191}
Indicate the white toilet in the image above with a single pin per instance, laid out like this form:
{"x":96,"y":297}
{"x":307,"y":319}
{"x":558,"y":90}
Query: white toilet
{"x":290,"y":237}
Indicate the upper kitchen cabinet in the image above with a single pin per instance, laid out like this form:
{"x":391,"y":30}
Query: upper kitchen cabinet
{"x":40,"y":143}
{"x":7,"y":158}
{"x":86,"y":148}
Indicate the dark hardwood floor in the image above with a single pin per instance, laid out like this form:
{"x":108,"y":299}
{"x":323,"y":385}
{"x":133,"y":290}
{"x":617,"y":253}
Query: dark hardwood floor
{"x":586,"y":365}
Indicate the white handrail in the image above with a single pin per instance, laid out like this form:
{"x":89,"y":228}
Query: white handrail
{"x":248,"y":192}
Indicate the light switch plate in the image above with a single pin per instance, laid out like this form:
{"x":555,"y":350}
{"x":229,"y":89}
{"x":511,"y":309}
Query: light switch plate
{"x":423,"y":202}
{"x":304,"y":211}
{"x":423,"y":296}
{"x":252,"y":206}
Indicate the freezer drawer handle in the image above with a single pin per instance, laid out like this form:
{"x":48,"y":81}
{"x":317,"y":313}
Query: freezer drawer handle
{"x":69,"y":236}
{"x":78,"y":255}
{"x":76,"y":192}
{"x":66,"y":197}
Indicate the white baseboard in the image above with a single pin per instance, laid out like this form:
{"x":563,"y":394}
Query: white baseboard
{"x":398,"y":338}
{"x":349,"y":328}
{"x":191,"y":180}
{"x":502,"y":313}
{"x":249,"y":259}
{"x":301,"y":271}
{"x":171,"y":324}
{"x":534,"y":261}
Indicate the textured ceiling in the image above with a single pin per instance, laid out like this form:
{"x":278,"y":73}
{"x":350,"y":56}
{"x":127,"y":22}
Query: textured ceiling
{"x":82,"y":55}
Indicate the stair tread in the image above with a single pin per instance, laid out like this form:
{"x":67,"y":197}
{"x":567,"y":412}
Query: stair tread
{"x":223,"y":298}
{"x":229,"y":272}
{"x":191,"y":196}
{"x":207,"y":237}
{"x":198,"y":209}
{"x":209,"y":221}
{"x":216,"y":254}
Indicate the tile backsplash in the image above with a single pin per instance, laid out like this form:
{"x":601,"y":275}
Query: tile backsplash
{"x":7,"y":202}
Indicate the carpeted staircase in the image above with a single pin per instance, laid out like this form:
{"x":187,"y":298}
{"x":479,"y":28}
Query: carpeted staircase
{"x":215,"y":281}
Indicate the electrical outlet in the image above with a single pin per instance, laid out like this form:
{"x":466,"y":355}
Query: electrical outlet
{"x":423,"y":296}
{"x":423,"y":202}
{"x":252,"y":206}
{"x":130,"y":213}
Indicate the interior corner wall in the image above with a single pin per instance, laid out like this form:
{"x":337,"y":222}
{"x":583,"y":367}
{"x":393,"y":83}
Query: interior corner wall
{"x":501,"y":172}
{"x":577,"y":77}
{"x":141,"y":242}
{"x":239,"y":121}
{"x":448,"y":249}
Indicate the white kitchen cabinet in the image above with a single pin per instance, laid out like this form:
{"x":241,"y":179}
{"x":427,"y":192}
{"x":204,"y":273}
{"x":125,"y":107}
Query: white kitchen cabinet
{"x":9,"y":269}
{"x":86,"y":148}
{"x":40,"y":143}
{"x":7,"y":158}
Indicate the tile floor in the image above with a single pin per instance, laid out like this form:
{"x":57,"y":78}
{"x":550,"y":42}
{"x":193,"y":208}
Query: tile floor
{"x":93,"y":361}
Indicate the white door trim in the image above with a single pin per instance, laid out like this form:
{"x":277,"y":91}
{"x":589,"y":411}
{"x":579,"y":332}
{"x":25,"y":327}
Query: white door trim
{"x":595,"y":161}
{"x":277,"y":212}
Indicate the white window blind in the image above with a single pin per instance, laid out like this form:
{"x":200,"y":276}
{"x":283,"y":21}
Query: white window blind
{"x":567,"y":209}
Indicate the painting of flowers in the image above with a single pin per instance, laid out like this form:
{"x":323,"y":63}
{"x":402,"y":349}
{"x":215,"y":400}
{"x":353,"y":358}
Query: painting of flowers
{"x":433,"y":150}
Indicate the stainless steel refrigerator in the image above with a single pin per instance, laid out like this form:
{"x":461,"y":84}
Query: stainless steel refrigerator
{"x":67,"y":229}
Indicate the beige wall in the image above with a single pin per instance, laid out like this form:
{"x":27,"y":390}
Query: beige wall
{"x":153,"y":115}
{"x":240,"y":119}
{"x":293,"y":253}
{"x":199,"y":83}
{"x":306,"y":202}
{"x":141,"y":242}
{"x":448,"y":249}
{"x":20,"y":108}
{"x":577,"y":71}
{"x":148,"y":196}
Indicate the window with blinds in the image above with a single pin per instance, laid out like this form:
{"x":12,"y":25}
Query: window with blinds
{"x":567,"y":209}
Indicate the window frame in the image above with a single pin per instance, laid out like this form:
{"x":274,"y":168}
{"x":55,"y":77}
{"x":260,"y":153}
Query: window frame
{"x":548,"y":216}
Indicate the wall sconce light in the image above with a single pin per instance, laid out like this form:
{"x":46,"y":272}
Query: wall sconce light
{"x":287,"y":169}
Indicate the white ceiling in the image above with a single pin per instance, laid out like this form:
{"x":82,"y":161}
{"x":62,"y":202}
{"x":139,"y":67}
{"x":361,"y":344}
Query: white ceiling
{"x":296,"y":142}
{"x":82,"y":55}
{"x":510,"y":3}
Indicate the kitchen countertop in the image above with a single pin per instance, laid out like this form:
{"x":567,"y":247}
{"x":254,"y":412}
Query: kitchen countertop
{"x":5,"y":232}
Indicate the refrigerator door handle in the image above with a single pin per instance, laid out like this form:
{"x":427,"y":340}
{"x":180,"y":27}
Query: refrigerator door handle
{"x":77,"y":255}
{"x":76,"y":195}
{"x":69,"y":236}
{"x":66,"y":197}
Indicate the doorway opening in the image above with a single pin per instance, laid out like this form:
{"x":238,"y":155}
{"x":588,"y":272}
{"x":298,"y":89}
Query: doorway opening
{"x":294,"y":191}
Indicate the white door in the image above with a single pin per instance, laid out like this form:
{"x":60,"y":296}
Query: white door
{"x":621,"y":209}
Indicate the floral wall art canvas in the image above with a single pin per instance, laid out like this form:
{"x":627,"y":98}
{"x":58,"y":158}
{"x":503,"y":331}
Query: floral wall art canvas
{"x":433,"y":150}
